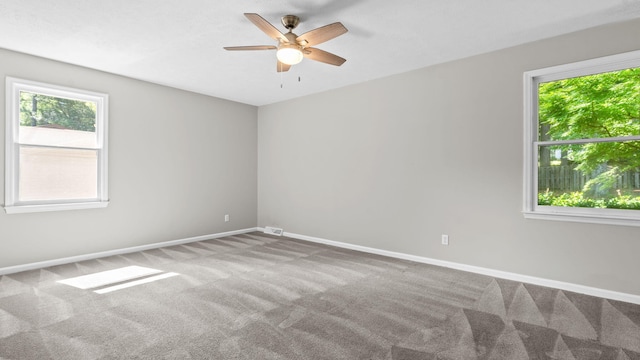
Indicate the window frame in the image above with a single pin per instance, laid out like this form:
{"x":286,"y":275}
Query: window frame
{"x":531,"y":209}
{"x":12,"y":204}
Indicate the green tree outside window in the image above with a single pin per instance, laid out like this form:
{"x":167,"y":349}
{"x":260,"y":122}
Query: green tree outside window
{"x":43,"y":110}
{"x":596,"y":107}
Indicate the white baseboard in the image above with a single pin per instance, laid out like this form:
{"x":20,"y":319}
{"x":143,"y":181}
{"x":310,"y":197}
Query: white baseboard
{"x":72,"y":259}
{"x":607,"y":294}
{"x":587,"y":290}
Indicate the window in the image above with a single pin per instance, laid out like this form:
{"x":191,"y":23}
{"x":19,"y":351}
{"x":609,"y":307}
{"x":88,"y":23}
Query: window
{"x":56,"y":148}
{"x":582,"y":141}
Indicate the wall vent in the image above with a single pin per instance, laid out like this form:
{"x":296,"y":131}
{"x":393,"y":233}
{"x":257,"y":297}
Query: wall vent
{"x":273,"y":230}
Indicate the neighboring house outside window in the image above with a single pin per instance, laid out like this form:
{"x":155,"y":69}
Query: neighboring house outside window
{"x":582,"y":141}
{"x":56,"y":148}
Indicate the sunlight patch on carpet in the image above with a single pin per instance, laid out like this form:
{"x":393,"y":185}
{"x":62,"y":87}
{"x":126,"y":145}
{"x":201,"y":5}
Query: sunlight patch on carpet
{"x":136,"y":282}
{"x":121,"y":278}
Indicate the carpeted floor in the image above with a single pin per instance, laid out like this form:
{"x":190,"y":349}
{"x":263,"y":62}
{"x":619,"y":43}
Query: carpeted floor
{"x":255,"y":296}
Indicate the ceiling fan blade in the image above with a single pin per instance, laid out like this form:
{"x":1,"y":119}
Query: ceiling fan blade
{"x":256,"y":47}
{"x":266,"y":27}
{"x":282,"y":67}
{"x":323,"y":56}
{"x":321,"y":34}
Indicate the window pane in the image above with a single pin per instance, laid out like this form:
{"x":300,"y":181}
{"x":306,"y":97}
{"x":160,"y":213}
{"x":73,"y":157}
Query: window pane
{"x":56,"y":174}
{"x":54,"y":121}
{"x":601,"y":175}
{"x":587,"y":107}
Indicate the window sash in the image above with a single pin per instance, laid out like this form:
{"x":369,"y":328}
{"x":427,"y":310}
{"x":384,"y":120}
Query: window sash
{"x":62,"y":166}
{"x":586,"y":141}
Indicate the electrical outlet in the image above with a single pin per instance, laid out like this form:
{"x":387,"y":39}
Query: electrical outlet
{"x":226,"y":218}
{"x":445,"y":239}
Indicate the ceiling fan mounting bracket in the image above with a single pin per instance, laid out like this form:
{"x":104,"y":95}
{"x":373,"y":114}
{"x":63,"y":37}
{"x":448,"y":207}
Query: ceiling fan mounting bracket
{"x":290,"y":22}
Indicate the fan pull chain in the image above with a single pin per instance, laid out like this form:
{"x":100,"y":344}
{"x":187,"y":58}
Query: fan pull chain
{"x":282,"y":78}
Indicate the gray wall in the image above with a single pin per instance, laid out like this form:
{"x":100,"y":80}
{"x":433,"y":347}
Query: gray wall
{"x":178,"y":162}
{"x":394,"y":163}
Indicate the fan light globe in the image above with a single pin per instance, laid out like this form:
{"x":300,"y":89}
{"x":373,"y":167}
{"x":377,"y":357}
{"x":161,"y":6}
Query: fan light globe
{"x":289,"y":54}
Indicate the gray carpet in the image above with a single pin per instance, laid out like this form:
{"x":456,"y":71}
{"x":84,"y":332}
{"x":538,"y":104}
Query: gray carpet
{"x":255,"y":296}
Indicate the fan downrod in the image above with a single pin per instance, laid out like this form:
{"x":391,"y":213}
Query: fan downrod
{"x":290,"y":22}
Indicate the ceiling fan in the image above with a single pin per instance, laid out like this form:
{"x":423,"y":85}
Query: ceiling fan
{"x":291,"y":48}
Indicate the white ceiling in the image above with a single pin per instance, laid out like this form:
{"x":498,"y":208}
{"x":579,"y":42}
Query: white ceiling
{"x":179,"y":42}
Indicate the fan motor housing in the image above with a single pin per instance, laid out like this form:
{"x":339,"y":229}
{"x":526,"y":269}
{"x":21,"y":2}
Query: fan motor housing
{"x":291,"y":37}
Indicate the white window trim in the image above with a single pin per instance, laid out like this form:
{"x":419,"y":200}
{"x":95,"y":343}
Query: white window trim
{"x":13,"y":88}
{"x":531,"y":209}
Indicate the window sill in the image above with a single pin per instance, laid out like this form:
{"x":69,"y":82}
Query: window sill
{"x":22,"y":209}
{"x":620,"y":217}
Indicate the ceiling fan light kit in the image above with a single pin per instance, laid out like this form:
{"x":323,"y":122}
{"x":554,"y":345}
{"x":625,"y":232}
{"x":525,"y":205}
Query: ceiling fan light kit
{"x":292,"y":48}
{"x":289,"y":54}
